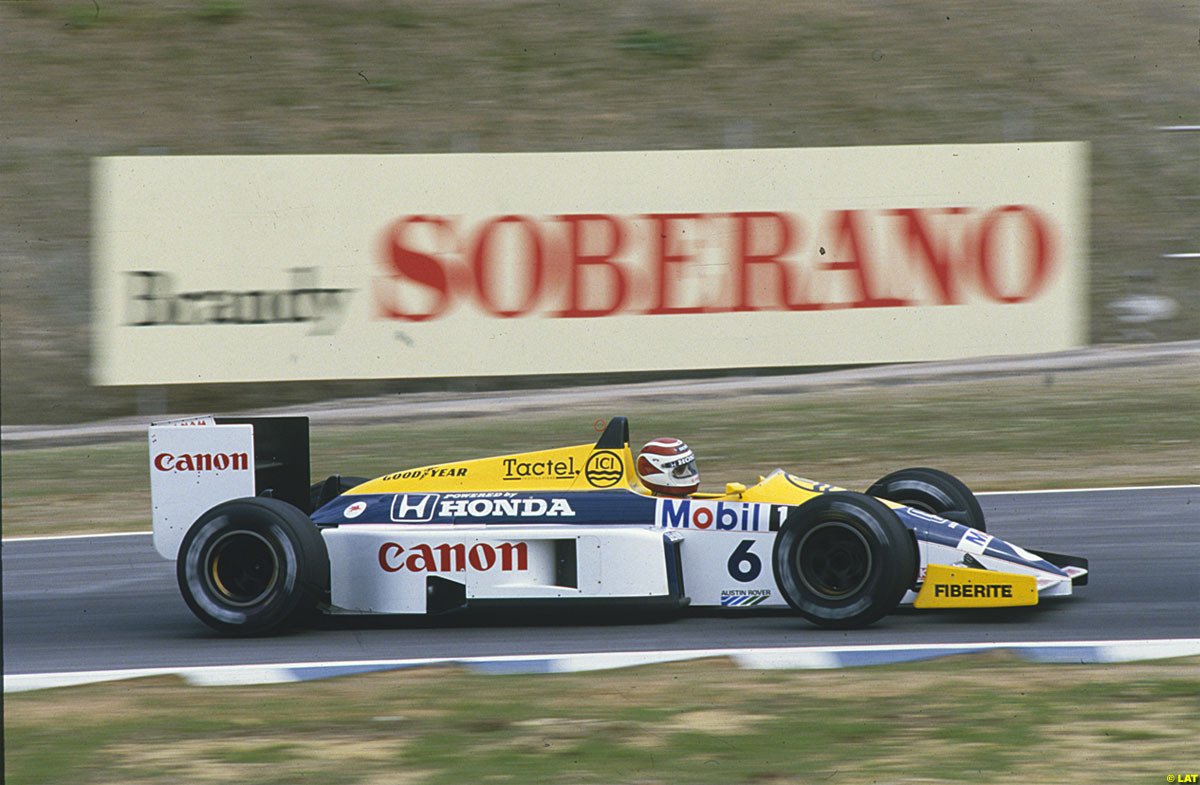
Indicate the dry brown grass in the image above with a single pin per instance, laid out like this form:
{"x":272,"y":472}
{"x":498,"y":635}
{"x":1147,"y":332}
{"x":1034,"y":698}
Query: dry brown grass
{"x":979,"y":718}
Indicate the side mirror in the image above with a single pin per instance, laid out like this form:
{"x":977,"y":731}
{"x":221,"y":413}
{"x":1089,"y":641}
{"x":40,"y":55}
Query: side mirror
{"x":734,"y":488}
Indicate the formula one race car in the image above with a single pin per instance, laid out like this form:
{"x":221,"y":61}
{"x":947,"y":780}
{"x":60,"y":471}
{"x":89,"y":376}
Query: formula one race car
{"x":258,"y":548}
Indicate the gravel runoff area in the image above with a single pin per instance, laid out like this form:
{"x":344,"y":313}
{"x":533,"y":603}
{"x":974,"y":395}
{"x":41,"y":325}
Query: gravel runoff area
{"x":398,"y":408}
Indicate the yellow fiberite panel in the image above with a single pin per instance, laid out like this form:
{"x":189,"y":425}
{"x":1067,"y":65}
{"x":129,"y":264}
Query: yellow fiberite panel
{"x":964,"y":587}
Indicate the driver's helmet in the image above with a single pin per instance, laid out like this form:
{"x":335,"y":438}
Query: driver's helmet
{"x":668,"y":466}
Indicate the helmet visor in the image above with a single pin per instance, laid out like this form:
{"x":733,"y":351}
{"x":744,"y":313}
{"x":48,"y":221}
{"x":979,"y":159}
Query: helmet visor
{"x":686,"y":469}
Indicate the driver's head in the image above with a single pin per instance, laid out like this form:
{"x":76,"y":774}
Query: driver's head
{"x":668,"y":466}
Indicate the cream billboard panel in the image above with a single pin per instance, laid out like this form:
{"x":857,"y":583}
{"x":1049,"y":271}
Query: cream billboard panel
{"x":261,"y":268}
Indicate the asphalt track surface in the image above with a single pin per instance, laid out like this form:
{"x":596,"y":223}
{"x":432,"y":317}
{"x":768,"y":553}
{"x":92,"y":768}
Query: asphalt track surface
{"x":102,"y":603}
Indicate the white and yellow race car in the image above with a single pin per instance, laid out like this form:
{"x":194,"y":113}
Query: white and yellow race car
{"x":258,"y":548}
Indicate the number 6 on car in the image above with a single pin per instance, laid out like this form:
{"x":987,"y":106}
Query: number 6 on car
{"x":259,"y":547}
{"x":744,"y":566}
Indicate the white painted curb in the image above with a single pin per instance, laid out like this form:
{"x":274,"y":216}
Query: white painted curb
{"x":796,"y":658}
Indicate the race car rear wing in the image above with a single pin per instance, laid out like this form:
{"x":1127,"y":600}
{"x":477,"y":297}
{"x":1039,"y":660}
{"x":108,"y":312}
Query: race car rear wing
{"x":199,"y":462}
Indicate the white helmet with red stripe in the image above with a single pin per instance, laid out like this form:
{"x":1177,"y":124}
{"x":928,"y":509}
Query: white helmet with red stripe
{"x":668,"y":466}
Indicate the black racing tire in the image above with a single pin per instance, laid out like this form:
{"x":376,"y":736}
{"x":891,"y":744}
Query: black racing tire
{"x":252,"y":566}
{"x":844,"y":560}
{"x":932,"y":491}
{"x":321,"y":493}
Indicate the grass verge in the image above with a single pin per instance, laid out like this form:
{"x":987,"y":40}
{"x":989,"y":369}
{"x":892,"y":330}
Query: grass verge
{"x":1118,"y":426}
{"x":700,"y":722}
{"x":200,"y":77}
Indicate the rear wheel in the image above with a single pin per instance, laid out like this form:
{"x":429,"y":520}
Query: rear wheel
{"x":844,"y":560}
{"x":933,"y":491}
{"x":252,"y":566}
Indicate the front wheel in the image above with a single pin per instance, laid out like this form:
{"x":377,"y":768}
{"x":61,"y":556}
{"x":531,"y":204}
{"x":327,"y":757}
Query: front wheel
{"x":844,"y":560}
{"x":933,"y":491}
{"x":252,"y":566}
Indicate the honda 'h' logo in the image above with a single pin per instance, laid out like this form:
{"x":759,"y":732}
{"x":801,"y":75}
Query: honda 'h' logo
{"x":414,"y":506}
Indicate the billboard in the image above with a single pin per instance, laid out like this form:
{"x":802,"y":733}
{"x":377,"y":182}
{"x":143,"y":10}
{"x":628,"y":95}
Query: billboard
{"x":279,"y":268}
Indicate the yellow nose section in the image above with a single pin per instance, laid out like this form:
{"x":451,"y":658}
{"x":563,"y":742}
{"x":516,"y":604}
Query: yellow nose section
{"x":965,"y":587}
